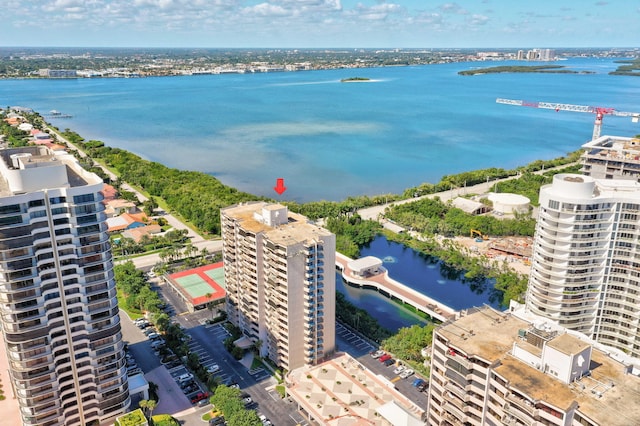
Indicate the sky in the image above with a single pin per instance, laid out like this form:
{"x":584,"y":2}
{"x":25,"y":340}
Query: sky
{"x":320,"y":23}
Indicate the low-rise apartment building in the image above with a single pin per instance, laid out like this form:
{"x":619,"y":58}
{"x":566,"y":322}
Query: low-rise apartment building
{"x":493,"y":368}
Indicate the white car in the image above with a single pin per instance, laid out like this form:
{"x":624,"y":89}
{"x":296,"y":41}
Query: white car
{"x":185,"y":377}
{"x":377,"y":354}
{"x":213,"y":368}
{"x":406,"y":373}
{"x":399,"y":369}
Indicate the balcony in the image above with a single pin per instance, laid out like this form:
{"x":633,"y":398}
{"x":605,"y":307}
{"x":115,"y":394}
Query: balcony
{"x":457,"y":413}
{"x":521,"y":403}
{"x":464,"y":362}
{"x":460,"y":393}
{"x":519,"y":415}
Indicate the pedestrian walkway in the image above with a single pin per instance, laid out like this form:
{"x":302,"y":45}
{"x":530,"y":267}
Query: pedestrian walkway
{"x":392,"y":288}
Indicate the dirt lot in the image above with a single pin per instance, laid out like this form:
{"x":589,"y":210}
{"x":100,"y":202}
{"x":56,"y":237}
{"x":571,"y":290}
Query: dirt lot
{"x":516,"y":251}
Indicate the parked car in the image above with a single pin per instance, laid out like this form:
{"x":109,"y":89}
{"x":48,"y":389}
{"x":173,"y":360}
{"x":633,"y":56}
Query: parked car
{"x":213,"y":368}
{"x":148,"y":331}
{"x":190,"y":388}
{"x":199,"y":397}
{"x":406,"y":373}
{"x":265,"y":421}
{"x":247,"y":400}
{"x":389,"y":362}
{"x":203,"y":402}
{"x":142,"y":323}
{"x":423,"y":386}
{"x":153,"y":336}
{"x":376,"y":354}
{"x":157,"y":345}
{"x":384,"y":357}
{"x":399,"y":369}
{"x":215,"y":421}
{"x":186,"y":377}
{"x":417,"y":382}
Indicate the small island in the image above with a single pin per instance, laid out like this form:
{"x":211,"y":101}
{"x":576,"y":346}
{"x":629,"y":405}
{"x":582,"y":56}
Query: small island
{"x":354,"y":80}
{"x":551,"y":69}
{"x":628,"y":67}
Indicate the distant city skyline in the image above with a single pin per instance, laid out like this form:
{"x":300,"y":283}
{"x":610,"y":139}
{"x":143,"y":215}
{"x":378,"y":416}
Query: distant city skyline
{"x":319,"y":23}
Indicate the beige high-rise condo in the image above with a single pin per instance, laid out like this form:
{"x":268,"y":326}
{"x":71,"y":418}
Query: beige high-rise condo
{"x":279,"y":271}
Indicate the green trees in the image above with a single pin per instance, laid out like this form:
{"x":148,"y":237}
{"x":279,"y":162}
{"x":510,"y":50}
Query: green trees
{"x":407,"y":343}
{"x":432,"y":216}
{"x":359,"y":319}
{"x":148,"y":405}
{"x":352,"y":232}
{"x":228,"y":401}
{"x":134,"y":291}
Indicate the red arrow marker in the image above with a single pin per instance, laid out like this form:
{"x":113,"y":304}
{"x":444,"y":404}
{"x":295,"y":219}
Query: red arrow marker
{"x":280,"y":188}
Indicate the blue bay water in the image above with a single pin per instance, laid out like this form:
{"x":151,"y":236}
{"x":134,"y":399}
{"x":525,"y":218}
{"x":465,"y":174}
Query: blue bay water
{"x":330,"y":140}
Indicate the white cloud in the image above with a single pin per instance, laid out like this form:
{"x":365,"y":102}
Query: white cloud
{"x":478,"y":20}
{"x":453,"y":8}
{"x":266,"y":10}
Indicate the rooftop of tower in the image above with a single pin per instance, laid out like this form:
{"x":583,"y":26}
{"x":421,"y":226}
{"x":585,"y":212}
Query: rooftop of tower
{"x":607,"y":395}
{"x":296,"y":229}
{"x":33,"y":168}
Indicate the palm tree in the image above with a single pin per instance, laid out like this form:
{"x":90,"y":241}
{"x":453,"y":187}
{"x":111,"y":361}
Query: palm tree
{"x":209,"y":303}
{"x":144,"y":404}
{"x":257,"y":345}
{"x":151,"y":405}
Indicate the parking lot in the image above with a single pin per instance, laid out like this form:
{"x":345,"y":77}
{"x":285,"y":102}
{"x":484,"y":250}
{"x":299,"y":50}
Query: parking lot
{"x":350,"y":342}
{"x":206,"y":341}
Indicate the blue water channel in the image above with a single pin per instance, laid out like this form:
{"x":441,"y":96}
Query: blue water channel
{"x":419,"y":272}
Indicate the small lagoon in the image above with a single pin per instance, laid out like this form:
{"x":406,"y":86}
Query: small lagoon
{"x":422,"y":273}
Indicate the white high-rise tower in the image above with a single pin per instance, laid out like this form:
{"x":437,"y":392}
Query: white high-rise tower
{"x":58,"y":307}
{"x":585,"y":272}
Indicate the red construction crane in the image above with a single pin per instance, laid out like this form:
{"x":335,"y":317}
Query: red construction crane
{"x":598,"y":111}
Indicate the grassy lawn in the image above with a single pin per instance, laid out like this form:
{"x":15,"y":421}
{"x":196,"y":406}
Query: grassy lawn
{"x":133,"y":313}
{"x":257,"y":363}
{"x":211,"y":414}
{"x":164,"y":420}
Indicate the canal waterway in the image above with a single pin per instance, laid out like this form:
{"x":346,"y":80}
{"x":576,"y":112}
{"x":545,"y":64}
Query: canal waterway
{"x":421,"y":273}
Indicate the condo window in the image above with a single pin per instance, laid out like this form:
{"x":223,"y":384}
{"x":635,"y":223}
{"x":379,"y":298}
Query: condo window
{"x":13,"y":208}
{"x":85,"y":198}
{"x":57,"y":200}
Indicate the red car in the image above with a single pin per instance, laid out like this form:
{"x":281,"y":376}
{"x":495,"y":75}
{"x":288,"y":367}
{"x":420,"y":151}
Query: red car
{"x":199,"y":397}
{"x":384,"y":357}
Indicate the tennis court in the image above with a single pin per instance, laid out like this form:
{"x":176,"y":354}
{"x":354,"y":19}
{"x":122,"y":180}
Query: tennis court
{"x":199,"y":286}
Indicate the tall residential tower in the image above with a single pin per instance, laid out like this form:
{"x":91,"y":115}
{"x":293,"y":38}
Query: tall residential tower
{"x":585,"y":271}
{"x":58,"y":306}
{"x":279,"y":272}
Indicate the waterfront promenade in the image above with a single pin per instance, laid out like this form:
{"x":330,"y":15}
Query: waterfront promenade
{"x":395,"y":289}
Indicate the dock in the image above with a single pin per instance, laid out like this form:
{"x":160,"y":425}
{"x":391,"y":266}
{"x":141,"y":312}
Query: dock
{"x":393,"y":289}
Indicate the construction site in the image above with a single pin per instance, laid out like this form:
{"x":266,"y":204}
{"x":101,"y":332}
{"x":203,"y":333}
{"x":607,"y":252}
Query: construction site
{"x":515,"y":251}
